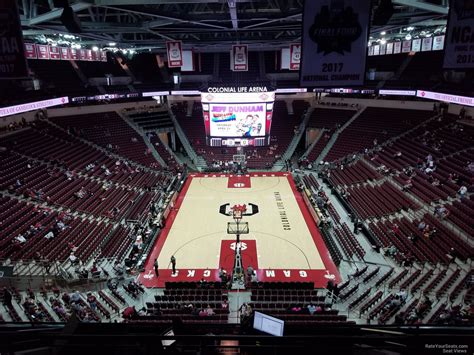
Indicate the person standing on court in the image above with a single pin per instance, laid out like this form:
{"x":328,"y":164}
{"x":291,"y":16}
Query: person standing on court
{"x":155,"y":266}
{"x":173,"y":263}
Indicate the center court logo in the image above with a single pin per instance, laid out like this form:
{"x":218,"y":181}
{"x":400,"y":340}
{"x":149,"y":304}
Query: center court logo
{"x":243,"y":245}
{"x":239,"y":184}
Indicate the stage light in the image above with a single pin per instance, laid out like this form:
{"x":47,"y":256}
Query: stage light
{"x":95,"y":48}
{"x":112,"y":44}
{"x":383,"y":33}
{"x":410,"y":28}
{"x":408,"y":37}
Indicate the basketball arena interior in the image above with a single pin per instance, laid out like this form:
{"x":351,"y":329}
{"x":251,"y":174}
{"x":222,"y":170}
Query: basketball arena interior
{"x":236,"y":176}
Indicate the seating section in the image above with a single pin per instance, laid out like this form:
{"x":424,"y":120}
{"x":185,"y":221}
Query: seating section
{"x":153,"y":120}
{"x":110,"y":131}
{"x":358,"y":172}
{"x":377,"y":124}
{"x":189,"y":302}
{"x":377,"y":201}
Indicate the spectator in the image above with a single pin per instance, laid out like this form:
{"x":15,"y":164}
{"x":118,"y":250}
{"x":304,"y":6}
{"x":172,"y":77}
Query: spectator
{"x":20,"y":239}
{"x":311,"y":308}
{"x":209,"y":310}
{"x":225,"y":304}
{"x":75,"y":297}
{"x":92,"y":301}
{"x":7,"y":298}
{"x":462,"y":191}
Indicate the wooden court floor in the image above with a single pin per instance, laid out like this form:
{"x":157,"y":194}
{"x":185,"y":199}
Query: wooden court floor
{"x":283,"y":242}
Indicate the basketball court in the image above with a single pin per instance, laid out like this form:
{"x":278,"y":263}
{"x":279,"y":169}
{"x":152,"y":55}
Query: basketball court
{"x":283,"y":243}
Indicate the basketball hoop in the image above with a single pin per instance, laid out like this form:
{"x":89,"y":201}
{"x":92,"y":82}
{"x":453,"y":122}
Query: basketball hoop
{"x":238,"y":211}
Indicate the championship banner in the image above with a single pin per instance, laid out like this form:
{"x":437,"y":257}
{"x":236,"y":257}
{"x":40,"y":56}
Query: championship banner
{"x":239,"y":57}
{"x":295,"y":56}
{"x":65,"y":53}
{"x":30,"y":51}
{"x":406,"y":46}
{"x":103,"y":56}
{"x":416,"y":45}
{"x":88,"y":54}
{"x":438,"y":43}
{"x":95,"y":55}
{"x":371,"y":50}
{"x":426,"y":44}
{"x":335,"y":35}
{"x":174,"y":50}
{"x":377,"y":49}
{"x":54,"y":53}
{"x":389,"y":48}
{"x":43,"y":51}
{"x":459,"y":47}
{"x":383,"y":48}
{"x":82,"y":54}
{"x":74,"y":54}
{"x":397,"y":47}
{"x":12,"y":51}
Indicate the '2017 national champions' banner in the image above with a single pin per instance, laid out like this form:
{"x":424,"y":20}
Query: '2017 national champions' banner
{"x":334,"y":42}
{"x":459,"y":42}
{"x":12,"y":54}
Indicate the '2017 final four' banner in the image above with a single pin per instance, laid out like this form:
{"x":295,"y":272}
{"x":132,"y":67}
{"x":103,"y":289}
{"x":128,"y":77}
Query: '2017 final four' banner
{"x":335,"y":37}
{"x":459,"y":42}
{"x":12,"y":55}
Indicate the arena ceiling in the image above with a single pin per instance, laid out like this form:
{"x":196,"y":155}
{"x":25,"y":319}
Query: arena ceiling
{"x":211,"y":25}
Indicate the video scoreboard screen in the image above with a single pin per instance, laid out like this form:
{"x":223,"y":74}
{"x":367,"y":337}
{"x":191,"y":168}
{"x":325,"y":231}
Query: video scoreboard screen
{"x":237,"y":116}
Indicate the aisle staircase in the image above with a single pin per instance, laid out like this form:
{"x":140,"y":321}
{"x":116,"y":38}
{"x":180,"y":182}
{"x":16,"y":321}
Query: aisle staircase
{"x":335,"y":136}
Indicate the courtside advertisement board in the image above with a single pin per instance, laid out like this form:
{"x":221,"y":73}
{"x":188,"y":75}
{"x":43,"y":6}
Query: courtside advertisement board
{"x":335,"y":35}
{"x":243,"y":113}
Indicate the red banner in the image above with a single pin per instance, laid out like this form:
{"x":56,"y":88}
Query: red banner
{"x":174,"y":50}
{"x":65,"y":53}
{"x":54,"y":53}
{"x":88,"y":54}
{"x":30,"y":51}
{"x":82,"y":54}
{"x":295,"y":56}
{"x":12,"y":51}
{"x":239,"y":58}
{"x":43,"y":51}
{"x":74,"y":54}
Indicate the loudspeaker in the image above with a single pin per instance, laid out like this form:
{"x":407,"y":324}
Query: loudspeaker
{"x":383,"y":13}
{"x":70,"y":20}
